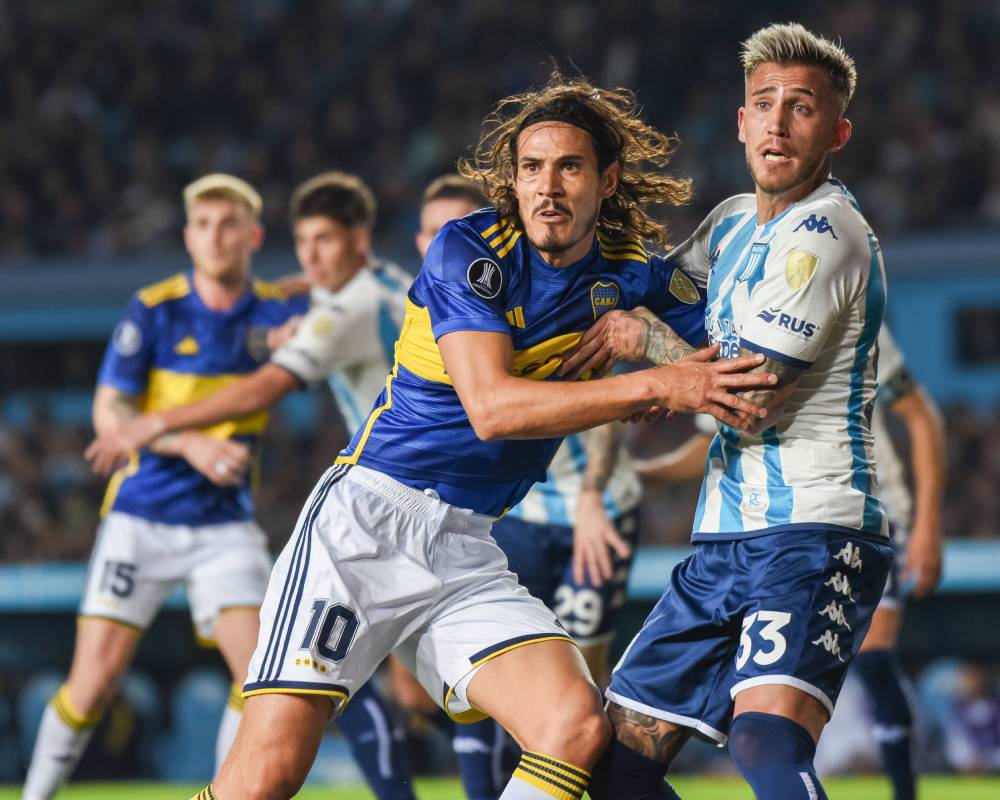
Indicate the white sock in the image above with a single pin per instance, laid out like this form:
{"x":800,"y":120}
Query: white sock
{"x":539,"y":777}
{"x":62,"y":737}
{"x":228,"y":725}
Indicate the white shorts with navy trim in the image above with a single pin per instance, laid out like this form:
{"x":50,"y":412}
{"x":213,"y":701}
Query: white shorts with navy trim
{"x":136,"y":564}
{"x":376,"y":567}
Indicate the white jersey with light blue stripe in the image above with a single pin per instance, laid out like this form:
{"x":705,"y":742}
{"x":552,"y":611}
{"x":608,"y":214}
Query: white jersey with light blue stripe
{"x":347,"y":338}
{"x":806,"y":289}
{"x":893,"y":489}
{"x":553,"y":502}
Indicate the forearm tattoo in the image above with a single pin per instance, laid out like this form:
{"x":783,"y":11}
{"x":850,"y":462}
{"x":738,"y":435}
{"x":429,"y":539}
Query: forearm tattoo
{"x":602,"y":454}
{"x":660,"y":344}
{"x":648,"y":736}
{"x":786,"y":374}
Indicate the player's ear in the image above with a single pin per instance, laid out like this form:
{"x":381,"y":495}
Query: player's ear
{"x":739,"y":125}
{"x":841,"y":133}
{"x":257,"y":236}
{"x":609,"y":179}
{"x":362,"y":240}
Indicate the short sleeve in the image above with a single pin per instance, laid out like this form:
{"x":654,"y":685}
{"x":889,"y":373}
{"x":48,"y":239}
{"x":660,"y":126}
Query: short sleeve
{"x":692,"y":254}
{"x":805,"y":287}
{"x":462,"y":284}
{"x":129,"y":355}
{"x":327,"y":340}
{"x":677,"y":300}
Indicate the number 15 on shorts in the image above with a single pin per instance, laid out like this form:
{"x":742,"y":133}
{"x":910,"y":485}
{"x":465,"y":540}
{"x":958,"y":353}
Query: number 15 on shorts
{"x":772,"y":645}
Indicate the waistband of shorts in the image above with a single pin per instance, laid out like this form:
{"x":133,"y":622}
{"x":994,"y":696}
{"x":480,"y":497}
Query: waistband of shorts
{"x":444,"y":515}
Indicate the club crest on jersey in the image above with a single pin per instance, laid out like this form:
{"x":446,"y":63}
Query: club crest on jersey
{"x":800,"y":268}
{"x":813,"y":225}
{"x":485,"y":278}
{"x":755,"y":257}
{"x":604,"y":297}
{"x":256,"y":342}
{"x":755,"y":501}
{"x":683,"y":288}
{"x":127,"y":339}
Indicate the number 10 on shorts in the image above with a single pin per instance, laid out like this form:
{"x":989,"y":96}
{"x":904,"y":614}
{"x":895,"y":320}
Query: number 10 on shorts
{"x":331,"y":630}
{"x":770,"y":633}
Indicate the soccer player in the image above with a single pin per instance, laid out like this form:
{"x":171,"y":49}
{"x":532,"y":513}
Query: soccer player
{"x":346,"y":338}
{"x":181,"y":510}
{"x":392,"y":551}
{"x":751,"y":640}
{"x":915,"y":532}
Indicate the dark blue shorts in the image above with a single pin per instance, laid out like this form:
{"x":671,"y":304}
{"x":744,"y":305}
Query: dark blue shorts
{"x":784,"y":608}
{"x":542,"y":557}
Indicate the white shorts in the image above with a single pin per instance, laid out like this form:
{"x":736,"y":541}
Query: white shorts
{"x":376,"y":566}
{"x":136,"y":564}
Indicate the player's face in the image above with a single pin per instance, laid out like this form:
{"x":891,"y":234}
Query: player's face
{"x":791,"y":125}
{"x":328,"y":251}
{"x":221,"y":235}
{"x":560,"y":189}
{"x":435,"y":214}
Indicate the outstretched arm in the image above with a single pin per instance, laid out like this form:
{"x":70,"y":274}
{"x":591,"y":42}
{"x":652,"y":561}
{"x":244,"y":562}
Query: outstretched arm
{"x":246,"y":396}
{"x":503,"y":406}
{"x":923,"y":422}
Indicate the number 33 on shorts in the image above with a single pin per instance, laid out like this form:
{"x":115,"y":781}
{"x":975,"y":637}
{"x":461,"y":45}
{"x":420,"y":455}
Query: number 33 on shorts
{"x":766,"y":626}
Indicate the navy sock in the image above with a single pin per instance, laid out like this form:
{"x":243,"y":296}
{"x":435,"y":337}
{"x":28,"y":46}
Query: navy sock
{"x":623,"y":774}
{"x":479,"y":750}
{"x":883,"y":681}
{"x":378,"y":750}
{"x":775,"y":756}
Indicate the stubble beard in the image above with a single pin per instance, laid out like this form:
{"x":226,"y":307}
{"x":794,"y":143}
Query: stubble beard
{"x":553,"y":244}
{"x":813,"y":172}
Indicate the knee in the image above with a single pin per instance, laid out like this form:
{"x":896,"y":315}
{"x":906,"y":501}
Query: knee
{"x":278,"y":776}
{"x":91,"y":693}
{"x":578,"y":732}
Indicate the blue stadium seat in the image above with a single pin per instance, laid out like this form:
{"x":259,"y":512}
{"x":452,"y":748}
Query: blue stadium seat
{"x":187,"y":751}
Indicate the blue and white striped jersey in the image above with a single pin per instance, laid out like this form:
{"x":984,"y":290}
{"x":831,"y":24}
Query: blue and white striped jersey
{"x":808,"y":289}
{"x":348,"y":336}
{"x":553,"y":502}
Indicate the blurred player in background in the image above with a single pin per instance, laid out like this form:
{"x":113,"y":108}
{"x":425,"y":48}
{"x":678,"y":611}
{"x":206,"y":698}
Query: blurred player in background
{"x":916,"y":537}
{"x":346,"y":339}
{"x":392,"y":552}
{"x":751,"y":640}
{"x":181,"y":511}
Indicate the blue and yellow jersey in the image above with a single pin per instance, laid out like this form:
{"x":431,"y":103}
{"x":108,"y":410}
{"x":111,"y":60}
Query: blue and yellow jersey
{"x":481,"y":274}
{"x":169,"y":350}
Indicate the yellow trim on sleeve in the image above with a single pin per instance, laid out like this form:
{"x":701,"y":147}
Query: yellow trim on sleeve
{"x":112,"y":620}
{"x":173,"y":288}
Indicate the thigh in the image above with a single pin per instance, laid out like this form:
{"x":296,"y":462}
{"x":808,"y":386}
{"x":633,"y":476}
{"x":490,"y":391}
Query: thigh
{"x":228,"y":568}
{"x":678,"y":667}
{"x":133,"y":567}
{"x":483,"y":613}
{"x":101,"y":655}
{"x":341,"y":594}
{"x":809,"y":600}
{"x":587,"y":611}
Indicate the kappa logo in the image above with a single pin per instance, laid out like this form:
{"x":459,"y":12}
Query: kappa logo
{"x":485,"y":278}
{"x":851,"y":556}
{"x":834,"y":611}
{"x":839,"y":582}
{"x":813,"y":225}
{"x":830,"y":642}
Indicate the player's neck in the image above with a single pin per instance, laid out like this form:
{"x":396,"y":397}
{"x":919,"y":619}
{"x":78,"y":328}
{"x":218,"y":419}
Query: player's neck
{"x":220,"y":293}
{"x":770,"y":205}
{"x":341,"y":279}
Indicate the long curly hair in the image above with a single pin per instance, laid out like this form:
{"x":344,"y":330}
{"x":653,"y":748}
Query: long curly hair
{"x":611,"y":117}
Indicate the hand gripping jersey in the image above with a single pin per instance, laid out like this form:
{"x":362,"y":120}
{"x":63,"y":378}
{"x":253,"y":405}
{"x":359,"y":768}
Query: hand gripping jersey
{"x":892,"y":377}
{"x":481,"y":274}
{"x":553,"y":502}
{"x":806,"y":289}
{"x":348,"y":337}
{"x":170,"y":350}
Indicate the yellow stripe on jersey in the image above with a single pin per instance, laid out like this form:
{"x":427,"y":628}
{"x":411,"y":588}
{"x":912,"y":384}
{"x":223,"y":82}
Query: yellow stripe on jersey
{"x":516,"y":316}
{"x":416,"y":349}
{"x":266,"y":290}
{"x":115,"y":483}
{"x":168,"y":389}
{"x":170,"y":289}
{"x":510,"y":244}
{"x":493,"y":228}
{"x":622,"y":250}
{"x":502,"y":236}
{"x":372,"y":417}
{"x":540,"y":360}
{"x":505,"y":233}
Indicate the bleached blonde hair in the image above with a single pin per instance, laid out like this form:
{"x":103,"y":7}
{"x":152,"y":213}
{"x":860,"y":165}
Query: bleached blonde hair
{"x":791,"y":43}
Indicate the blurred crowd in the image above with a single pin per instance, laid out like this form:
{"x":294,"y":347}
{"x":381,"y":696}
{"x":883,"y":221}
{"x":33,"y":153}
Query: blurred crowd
{"x":107,"y":108}
{"x":49,"y":500}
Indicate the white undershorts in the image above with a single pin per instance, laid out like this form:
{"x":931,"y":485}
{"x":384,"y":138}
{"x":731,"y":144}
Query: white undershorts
{"x":376,"y":567}
{"x":136,"y":564}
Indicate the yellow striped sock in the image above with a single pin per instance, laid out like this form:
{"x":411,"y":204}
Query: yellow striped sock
{"x":62,"y":705}
{"x":208,"y":793}
{"x":555,"y":778}
{"x":236,"y":701}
